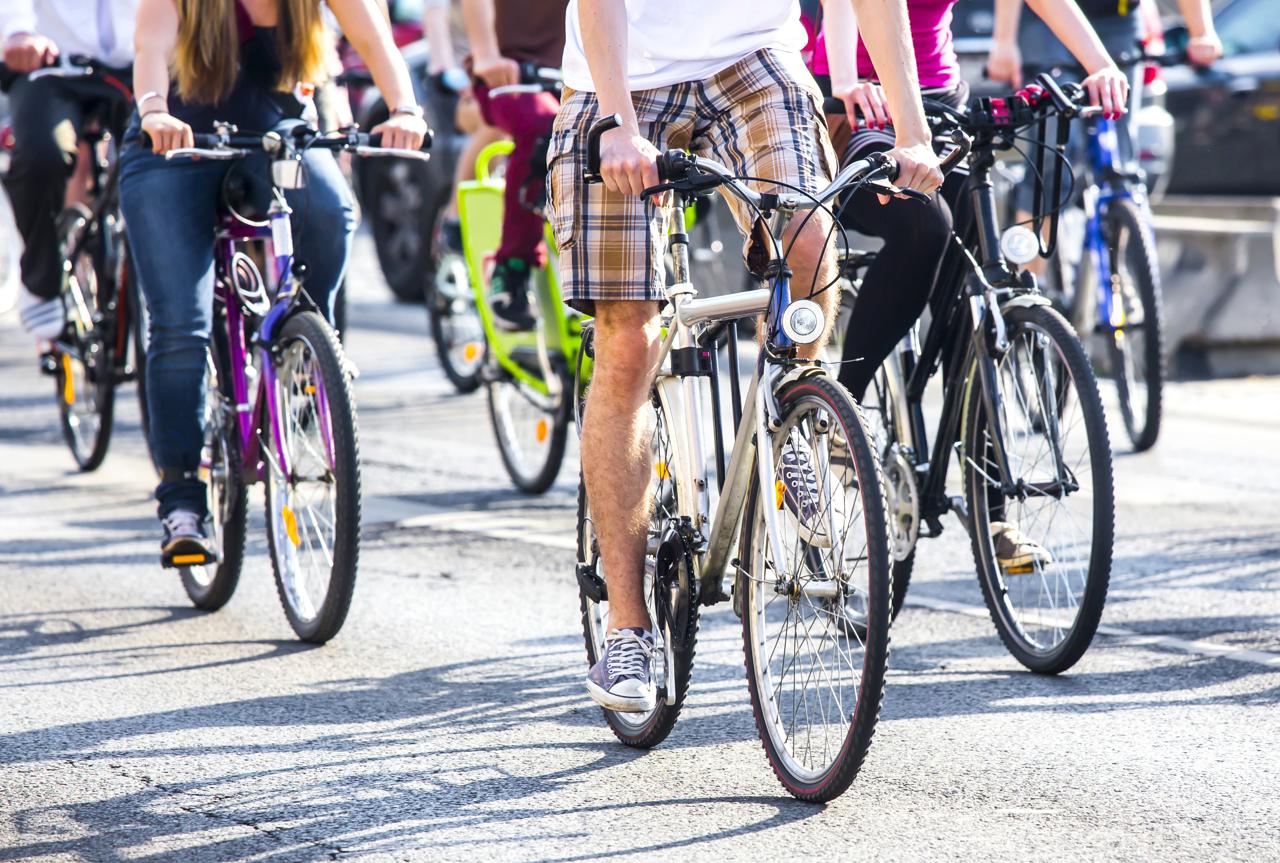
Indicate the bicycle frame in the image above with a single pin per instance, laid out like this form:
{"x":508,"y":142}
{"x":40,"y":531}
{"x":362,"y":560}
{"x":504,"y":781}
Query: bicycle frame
{"x":681,"y":395}
{"x":1108,"y":185}
{"x":253,"y":402}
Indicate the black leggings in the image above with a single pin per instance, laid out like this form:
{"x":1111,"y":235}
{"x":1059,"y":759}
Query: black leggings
{"x":897,"y":285}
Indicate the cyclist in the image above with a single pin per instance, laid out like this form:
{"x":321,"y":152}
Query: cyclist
{"x":504,"y":34}
{"x":897,"y":284}
{"x":48,"y":116}
{"x":724,"y":78}
{"x":1119,"y":26}
{"x":239,"y":61}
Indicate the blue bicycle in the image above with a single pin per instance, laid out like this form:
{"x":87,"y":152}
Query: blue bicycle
{"x":1106,"y":279}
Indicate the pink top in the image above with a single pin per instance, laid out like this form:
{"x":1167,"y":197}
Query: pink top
{"x":936,"y":60}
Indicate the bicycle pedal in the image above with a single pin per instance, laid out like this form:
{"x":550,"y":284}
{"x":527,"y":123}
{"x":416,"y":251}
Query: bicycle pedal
{"x":181,"y":561}
{"x":49,"y":363}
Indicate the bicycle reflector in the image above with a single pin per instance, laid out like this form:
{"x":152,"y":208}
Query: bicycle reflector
{"x":803,"y":322}
{"x":1019,"y":245}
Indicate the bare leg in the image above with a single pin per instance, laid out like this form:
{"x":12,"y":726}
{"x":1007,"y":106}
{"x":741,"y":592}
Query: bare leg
{"x":813,"y":252}
{"x":615,"y":451}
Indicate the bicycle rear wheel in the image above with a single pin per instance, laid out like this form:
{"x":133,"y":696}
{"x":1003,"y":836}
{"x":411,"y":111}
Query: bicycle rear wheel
{"x":455,"y":324}
{"x":211,"y":586}
{"x":313,"y":512}
{"x":85,"y":366}
{"x":1061,"y":498}
{"x":816,"y":611}
{"x":642,"y":730}
{"x":532,"y":430}
{"x":1135,"y":338}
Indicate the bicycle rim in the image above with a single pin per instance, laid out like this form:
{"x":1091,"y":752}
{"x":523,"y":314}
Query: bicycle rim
{"x":816,"y":671}
{"x":1060,"y":461}
{"x":85,"y":384}
{"x":531,"y":431}
{"x":1135,"y":331}
{"x":455,"y":324}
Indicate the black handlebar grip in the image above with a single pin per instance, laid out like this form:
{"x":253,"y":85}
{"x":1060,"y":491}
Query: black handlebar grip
{"x":832,"y":105}
{"x":200,"y":139}
{"x":375,"y":140}
{"x":598,"y":128}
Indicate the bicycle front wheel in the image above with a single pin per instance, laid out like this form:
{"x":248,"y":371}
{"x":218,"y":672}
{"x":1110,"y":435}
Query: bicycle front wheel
{"x":455,"y":324}
{"x":1042,"y":536}
{"x":1135,"y":334}
{"x":313,"y":511}
{"x":816,"y":608}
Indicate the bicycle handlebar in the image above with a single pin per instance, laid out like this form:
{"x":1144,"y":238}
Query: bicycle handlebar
{"x":236,"y":145}
{"x":960,"y":142}
{"x":533,"y":79}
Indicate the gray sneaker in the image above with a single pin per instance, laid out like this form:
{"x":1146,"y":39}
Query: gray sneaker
{"x":623,"y":678}
{"x":802,"y":493}
{"x":1016,"y":554}
{"x":185,"y":541}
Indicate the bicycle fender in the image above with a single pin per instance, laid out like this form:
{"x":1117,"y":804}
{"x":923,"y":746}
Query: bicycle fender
{"x":800,"y":372}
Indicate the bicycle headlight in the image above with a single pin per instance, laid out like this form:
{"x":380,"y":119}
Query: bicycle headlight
{"x":1019,"y":245}
{"x":803,"y":322}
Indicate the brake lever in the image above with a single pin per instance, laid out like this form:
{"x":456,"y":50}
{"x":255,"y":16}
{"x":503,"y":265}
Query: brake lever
{"x":884,"y":187}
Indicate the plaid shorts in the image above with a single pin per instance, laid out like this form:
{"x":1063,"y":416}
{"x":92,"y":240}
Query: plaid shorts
{"x":762,"y":117}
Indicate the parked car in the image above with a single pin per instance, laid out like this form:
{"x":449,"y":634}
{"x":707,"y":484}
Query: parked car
{"x":1227,"y":118}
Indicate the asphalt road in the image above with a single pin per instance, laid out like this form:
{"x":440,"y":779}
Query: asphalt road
{"x":448,"y":720}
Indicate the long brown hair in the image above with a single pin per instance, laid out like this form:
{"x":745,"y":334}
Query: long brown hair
{"x":208,"y":51}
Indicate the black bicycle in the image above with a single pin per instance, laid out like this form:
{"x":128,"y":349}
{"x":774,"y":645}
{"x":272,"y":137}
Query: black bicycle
{"x":104,"y":342}
{"x":1021,"y":410}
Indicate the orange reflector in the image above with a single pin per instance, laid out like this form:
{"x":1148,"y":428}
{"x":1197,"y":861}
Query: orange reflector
{"x":543,"y":429}
{"x":470,"y":351}
{"x":186,"y":559}
{"x":777,"y":493}
{"x":291,"y":526}
{"x":68,"y":383}
{"x":663,"y":471}
{"x":1025,"y":569}
{"x":309,"y":389}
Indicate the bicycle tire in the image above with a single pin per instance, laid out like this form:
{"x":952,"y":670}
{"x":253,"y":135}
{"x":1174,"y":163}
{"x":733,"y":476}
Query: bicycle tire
{"x":211,"y":587}
{"x":1124,"y":219}
{"x":441,"y":310}
{"x":1000,"y":595}
{"x":550,"y":429}
{"x":76,"y":377}
{"x":309,"y":332}
{"x":884,"y":436}
{"x":819,"y":784}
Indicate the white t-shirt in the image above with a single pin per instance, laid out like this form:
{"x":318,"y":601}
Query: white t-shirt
{"x":673,"y":41}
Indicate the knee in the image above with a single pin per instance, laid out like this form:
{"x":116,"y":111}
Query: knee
{"x":626,"y":345}
{"x":810,"y":243}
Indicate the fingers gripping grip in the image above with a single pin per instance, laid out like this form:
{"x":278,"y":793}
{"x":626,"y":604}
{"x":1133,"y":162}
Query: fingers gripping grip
{"x":597,"y":130}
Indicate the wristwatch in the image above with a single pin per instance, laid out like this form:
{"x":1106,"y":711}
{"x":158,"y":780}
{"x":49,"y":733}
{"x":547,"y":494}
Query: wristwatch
{"x":407,"y":111}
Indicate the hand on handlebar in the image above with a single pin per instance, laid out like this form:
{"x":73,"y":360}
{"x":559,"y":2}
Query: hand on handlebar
{"x":918,"y":168}
{"x":496,"y":70}
{"x":1204,"y":50}
{"x":627,"y":161}
{"x":1108,"y":88}
{"x":868,"y":99}
{"x":27,"y":52}
{"x":402,"y":132}
{"x":167,"y":132}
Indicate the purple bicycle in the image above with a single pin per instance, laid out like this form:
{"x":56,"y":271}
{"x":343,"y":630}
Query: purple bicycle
{"x":279,"y":407}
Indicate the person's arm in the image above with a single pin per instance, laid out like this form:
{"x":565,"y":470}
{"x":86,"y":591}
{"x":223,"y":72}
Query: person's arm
{"x":626,"y":157}
{"x":155,"y":35}
{"x":1108,"y":87}
{"x":884,"y":27}
{"x":435,"y":25}
{"x":370,"y":34}
{"x":487,"y":62}
{"x":1203,"y":44}
{"x":840,"y":34}
{"x":1004,"y":63}
{"x":25,"y":50}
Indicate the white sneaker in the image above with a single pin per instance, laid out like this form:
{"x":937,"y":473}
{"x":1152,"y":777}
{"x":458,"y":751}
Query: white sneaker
{"x":44,"y":319}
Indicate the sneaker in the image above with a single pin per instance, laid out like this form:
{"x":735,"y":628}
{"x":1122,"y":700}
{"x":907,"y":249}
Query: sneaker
{"x":1014,"y":552}
{"x":623,"y":680}
{"x":185,"y":542}
{"x":44,"y":319}
{"x":800,"y":491}
{"x":509,"y":298}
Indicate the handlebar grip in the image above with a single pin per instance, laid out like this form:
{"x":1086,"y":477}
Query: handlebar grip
{"x":200,"y":139}
{"x":375,"y":140}
{"x":598,"y":128}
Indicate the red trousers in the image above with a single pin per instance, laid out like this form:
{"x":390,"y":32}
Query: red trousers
{"x":526,"y":117}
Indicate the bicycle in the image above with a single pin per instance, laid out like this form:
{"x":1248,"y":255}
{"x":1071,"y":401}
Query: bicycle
{"x":826,"y":583}
{"x":1117,"y":248}
{"x":104,"y":341}
{"x":1020,"y":407}
{"x":280,"y":408}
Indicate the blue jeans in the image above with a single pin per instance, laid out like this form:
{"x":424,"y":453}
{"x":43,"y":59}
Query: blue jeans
{"x":172,"y":209}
